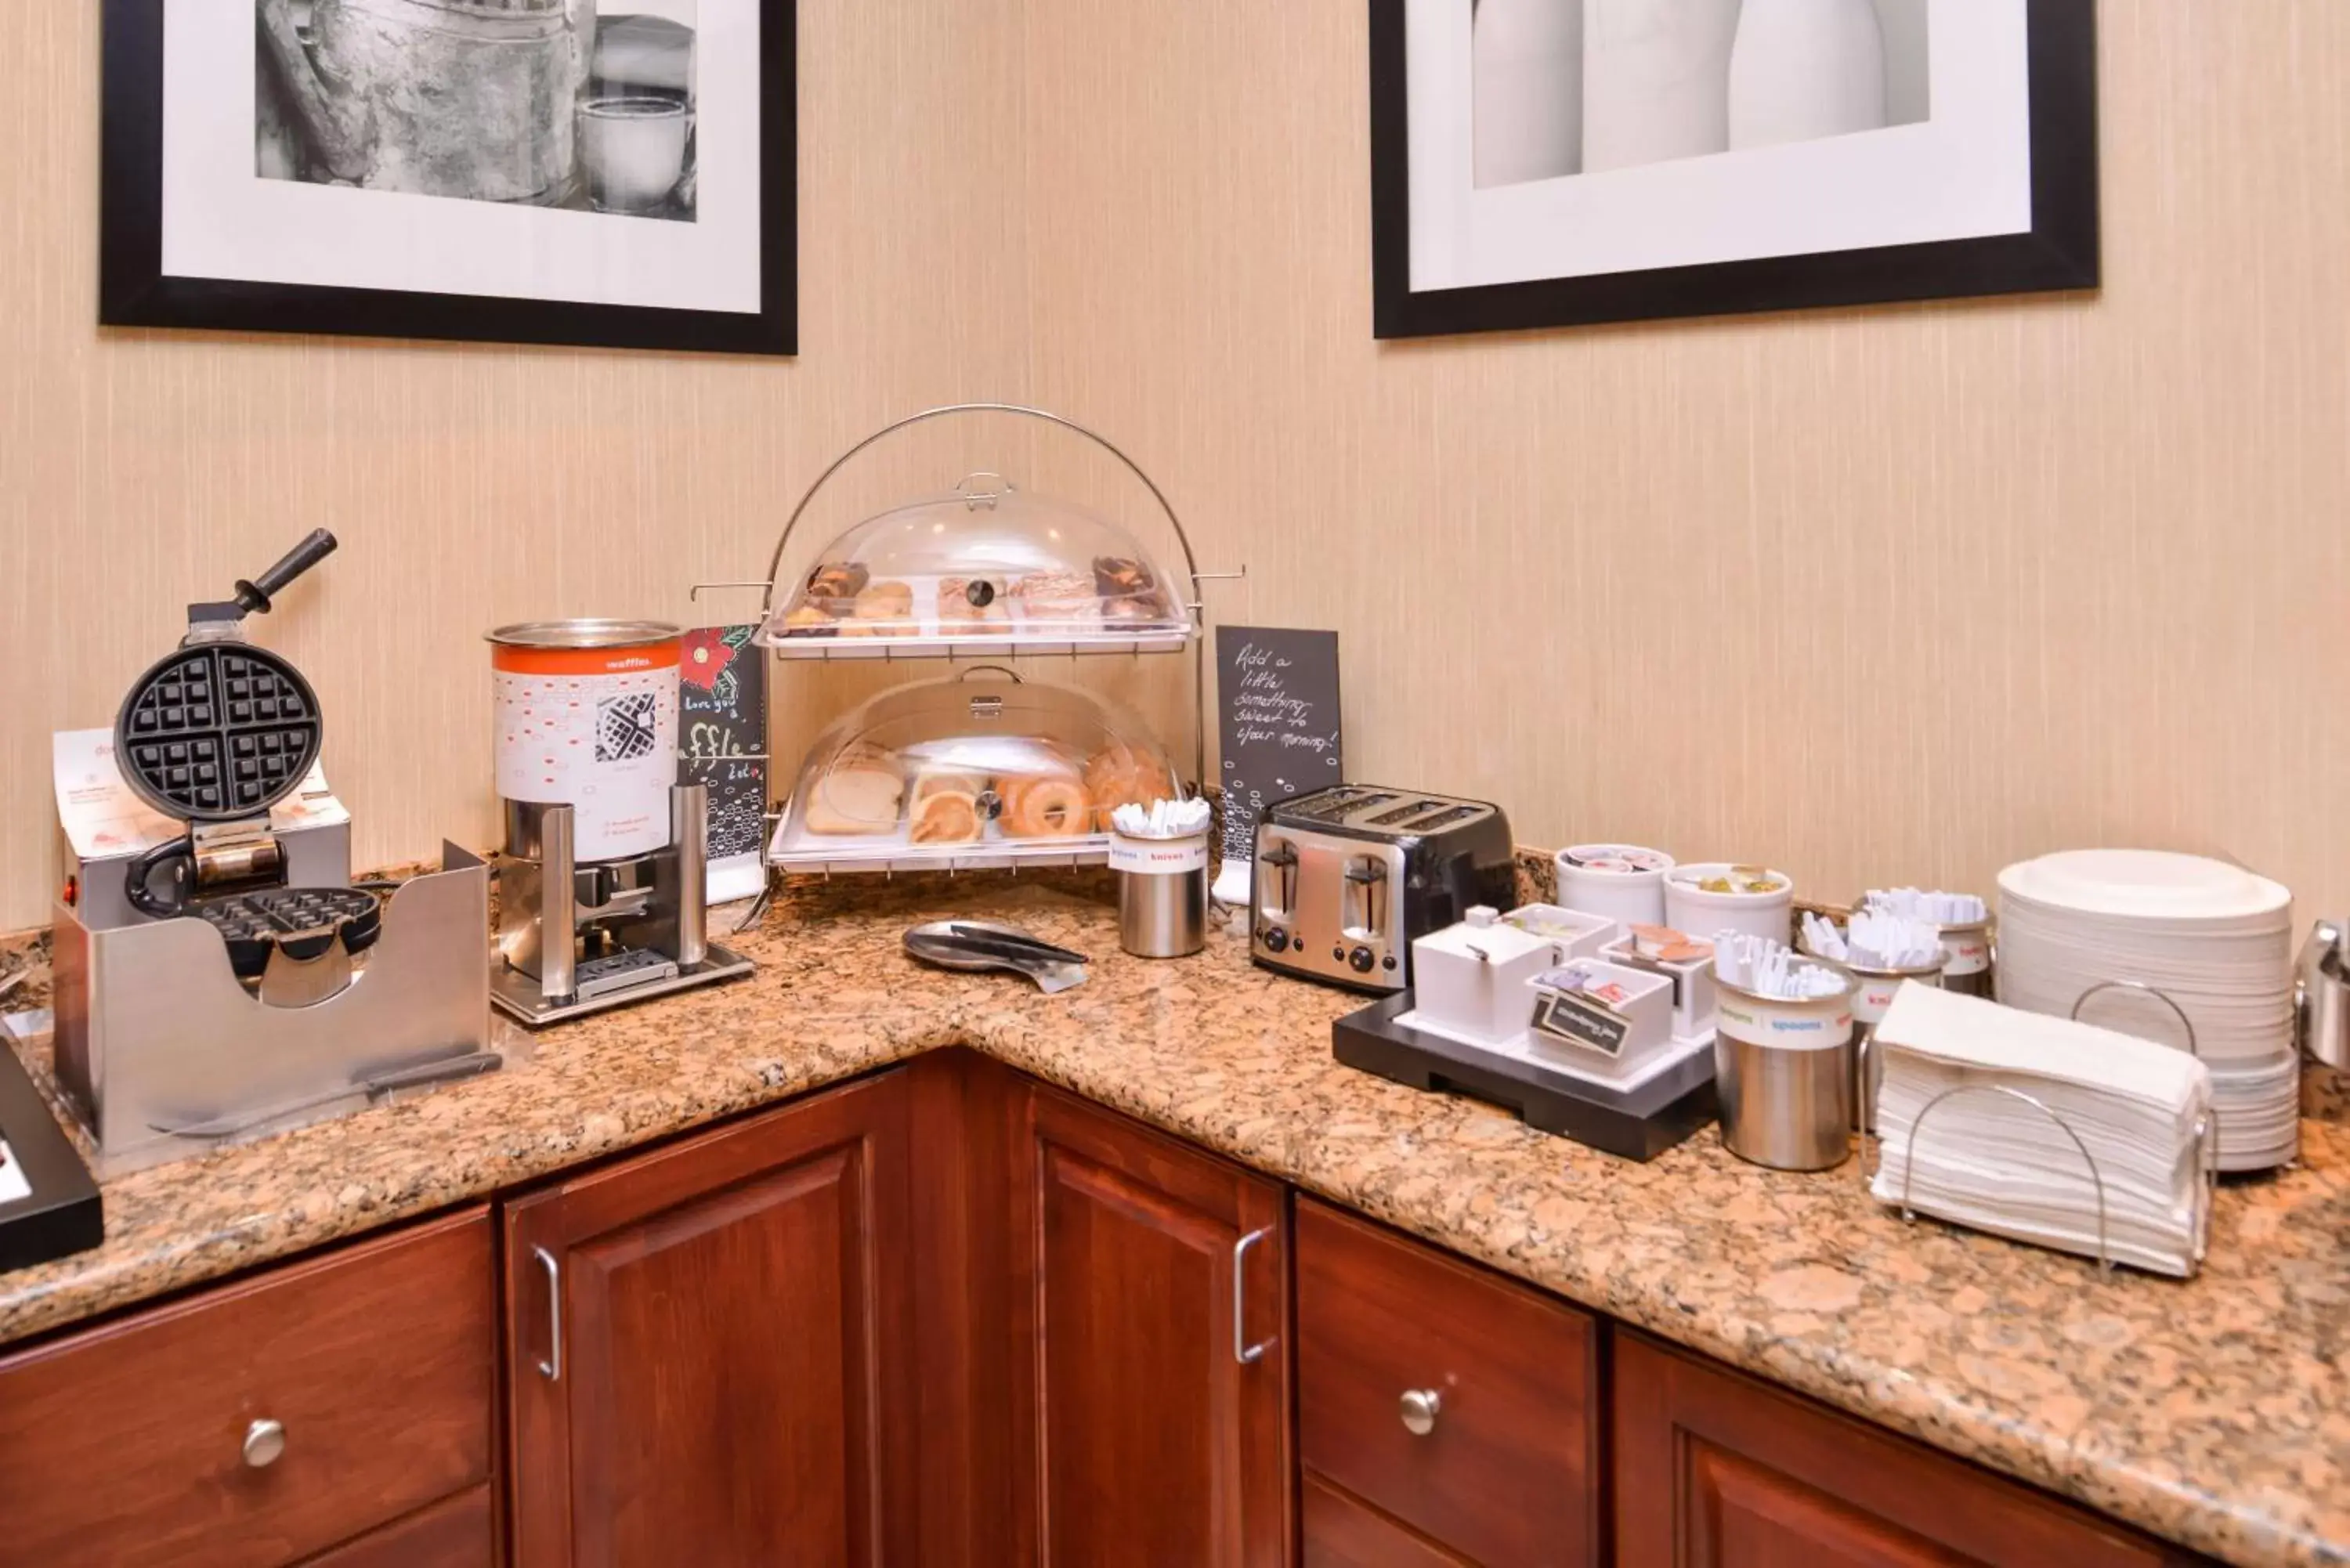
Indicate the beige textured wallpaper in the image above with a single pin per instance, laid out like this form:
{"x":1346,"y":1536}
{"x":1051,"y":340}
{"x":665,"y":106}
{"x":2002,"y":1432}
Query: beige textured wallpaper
{"x":1896,"y":594}
{"x":1888,"y":595}
{"x":469,"y":485}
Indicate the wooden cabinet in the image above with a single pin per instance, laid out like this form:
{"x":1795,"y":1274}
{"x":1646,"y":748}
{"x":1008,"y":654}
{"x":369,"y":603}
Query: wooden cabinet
{"x":709,"y":1350}
{"x":1716,"y":1471}
{"x":1494,"y":1461}
{"x":948,"y":1316}
{"x":262,"y":1422}
{"x":1150,"y":1337}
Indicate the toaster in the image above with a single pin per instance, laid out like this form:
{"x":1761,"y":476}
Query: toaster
{"x":1349,"y":876}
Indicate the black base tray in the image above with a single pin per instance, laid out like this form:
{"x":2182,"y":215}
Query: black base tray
{"x":1640,"y":1125}
{"x":64,"y":1214}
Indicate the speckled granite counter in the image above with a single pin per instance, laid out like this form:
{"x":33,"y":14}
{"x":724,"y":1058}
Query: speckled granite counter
{"x":2215,"y":1413}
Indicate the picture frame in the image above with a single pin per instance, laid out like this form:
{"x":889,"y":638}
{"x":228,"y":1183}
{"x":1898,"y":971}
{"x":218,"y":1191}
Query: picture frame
{"x":291,"y":243}
{"x":2052,"y":159}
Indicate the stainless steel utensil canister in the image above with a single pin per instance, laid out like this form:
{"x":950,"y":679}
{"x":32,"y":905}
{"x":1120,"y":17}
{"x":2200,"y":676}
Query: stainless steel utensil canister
{"x":1968,"y":957}
{"x":1872,"y":994}
{"x":1162,"y":894}
{"x":1783,"y":1075}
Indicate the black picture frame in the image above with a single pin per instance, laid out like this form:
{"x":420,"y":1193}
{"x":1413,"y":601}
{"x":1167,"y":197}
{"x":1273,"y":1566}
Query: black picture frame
{"x":2061,"y":252}
{"x":134,"y":291}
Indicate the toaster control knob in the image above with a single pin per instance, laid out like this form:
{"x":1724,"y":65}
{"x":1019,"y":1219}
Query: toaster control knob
{"x":1361,"y":961}
{"x":1276,"y":939}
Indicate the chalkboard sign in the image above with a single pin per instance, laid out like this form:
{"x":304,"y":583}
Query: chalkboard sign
{"x":1277,"y":714}
{"x":722,"y":735}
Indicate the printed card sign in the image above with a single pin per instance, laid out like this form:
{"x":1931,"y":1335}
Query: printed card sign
{"x":1277,"y":720}
{"x":723,"y":742}
{"x":1583,"y":1022}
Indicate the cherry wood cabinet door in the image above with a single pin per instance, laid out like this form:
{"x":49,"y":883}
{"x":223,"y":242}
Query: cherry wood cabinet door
{"x":709,"y":1350}
{"x":1716,"y":1471}
{"x":1150,"y":1331}
{"x":1499,"y":1461}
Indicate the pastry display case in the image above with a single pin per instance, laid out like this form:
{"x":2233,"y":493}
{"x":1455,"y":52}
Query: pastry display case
{"x":985,"y":568}
{"x":987,"y":769}
{"x":982,"y":769}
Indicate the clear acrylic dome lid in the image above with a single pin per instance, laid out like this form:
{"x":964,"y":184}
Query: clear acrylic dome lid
{"x":976,"y":769}
{"x":985,"y":564}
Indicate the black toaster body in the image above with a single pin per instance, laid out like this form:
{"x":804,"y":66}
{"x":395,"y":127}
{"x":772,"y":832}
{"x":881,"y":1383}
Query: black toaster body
{"x":1349,"y":876}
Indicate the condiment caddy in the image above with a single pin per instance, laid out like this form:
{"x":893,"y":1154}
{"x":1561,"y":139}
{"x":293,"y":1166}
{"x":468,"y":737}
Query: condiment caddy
{"x":1583,"y":1027}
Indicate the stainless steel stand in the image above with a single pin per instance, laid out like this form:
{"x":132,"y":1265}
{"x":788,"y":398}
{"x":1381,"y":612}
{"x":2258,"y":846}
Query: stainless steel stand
{"x":165,"y":1052}
{"x":535,"y":977}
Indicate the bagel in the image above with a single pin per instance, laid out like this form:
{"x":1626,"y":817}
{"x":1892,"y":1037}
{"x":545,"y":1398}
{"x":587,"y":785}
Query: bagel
{"x":1055,"y":806}
{"x":946,"y":816}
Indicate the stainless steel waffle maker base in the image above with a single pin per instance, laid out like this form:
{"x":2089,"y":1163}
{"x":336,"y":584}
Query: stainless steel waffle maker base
{"x":576,"y":938}
{"x":183,"y":1023}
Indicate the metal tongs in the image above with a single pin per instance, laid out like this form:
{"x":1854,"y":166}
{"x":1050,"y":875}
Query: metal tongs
{"x":977,"y":945}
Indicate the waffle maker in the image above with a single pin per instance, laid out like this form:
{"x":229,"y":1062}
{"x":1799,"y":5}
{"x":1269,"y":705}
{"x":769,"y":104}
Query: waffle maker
{"x":229,"y":981}
{"x":215,"y":734}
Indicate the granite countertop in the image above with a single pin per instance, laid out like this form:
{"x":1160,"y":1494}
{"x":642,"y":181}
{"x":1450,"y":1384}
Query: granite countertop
{"x":2215,"y":1413}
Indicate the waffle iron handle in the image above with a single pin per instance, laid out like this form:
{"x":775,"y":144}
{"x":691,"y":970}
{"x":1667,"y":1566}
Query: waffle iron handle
{"x":253,"y":597}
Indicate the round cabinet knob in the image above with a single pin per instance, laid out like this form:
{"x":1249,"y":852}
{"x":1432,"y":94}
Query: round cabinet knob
{"x":264,"y":1440}
{"x":1419,"y":1408}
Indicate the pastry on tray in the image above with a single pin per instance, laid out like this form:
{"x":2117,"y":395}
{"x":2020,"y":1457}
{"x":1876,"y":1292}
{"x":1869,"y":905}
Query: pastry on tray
{"x":1122,"y":774}
{"x":972,"y":605}
{"x":833,"y":588}
{"x":858,"y":792}
{"x":807,"y":620}
{"x":883,"y":609}
{"x":1116,"y":578}
{"x":1127,"y":591}
{"x":1058,"y":597}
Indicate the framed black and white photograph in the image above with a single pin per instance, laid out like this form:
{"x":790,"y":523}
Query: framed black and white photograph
{"x":1553,"y":162}
{"x":612,"y":173}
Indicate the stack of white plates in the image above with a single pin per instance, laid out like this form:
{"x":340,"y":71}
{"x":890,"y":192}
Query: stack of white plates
{"x":2212,"y":938}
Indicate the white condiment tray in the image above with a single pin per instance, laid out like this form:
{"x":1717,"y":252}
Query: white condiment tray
{"x":1522,"y":1049}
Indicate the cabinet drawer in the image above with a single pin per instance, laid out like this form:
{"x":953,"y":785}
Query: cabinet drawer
{"x":126,"y":1445}
{"x":458,"y":1532}
{"x":1506,"y":1475}
{"x":1341,"y":1531}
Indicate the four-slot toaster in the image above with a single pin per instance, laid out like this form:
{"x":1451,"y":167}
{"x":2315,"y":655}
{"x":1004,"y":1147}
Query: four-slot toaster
{"x":1346,"y":878}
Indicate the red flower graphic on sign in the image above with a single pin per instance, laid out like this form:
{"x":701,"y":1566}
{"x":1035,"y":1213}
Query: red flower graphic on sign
{"x":706,"y":658}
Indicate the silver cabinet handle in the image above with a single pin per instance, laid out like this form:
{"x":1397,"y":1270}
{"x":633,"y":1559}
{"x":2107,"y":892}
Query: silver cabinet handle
{"x":1419,"y":1408}
{"x":1242,"y":1351}
{"x":552,"y":1368}
{"x":264,"y":1440}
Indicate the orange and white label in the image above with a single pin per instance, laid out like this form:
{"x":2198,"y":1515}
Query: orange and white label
{"x":601,"y":740}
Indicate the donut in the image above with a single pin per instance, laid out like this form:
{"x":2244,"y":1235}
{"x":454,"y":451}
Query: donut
{"x":946,"y":816}
{"x":1053,"y":806}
